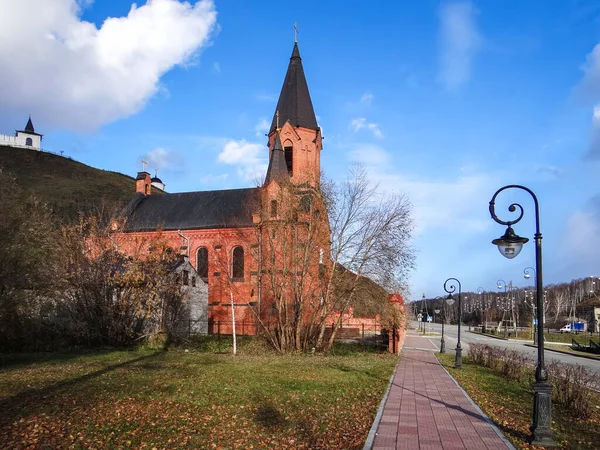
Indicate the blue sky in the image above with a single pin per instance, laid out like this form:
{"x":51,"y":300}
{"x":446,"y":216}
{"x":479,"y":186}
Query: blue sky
{"x":443,"y":101}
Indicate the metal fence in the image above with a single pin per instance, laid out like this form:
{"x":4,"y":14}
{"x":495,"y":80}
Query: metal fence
{"x":252,"y":328}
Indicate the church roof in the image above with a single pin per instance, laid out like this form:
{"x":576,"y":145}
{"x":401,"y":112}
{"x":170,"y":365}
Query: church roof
{"x":29,"y":129}
{"x":231,"y":208}
{"x":277,"y":167}
{"x":294,"y":102}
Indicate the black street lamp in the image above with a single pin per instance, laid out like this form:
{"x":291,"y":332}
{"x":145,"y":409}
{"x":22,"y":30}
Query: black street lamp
{"x":422,"y":324}
{"x":502,"y":284}
{"x":510,"y":244}
{"x":450,"y":288}
{"x":527,"y":275}
{"x":449,"y":302}
{"x":483,"y":309}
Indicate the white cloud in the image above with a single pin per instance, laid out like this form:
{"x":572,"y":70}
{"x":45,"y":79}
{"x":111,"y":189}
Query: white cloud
{"x":367,"y":98}
{"x":261,"y":127}
{"x":211,"y":179}
{"x":457,"y":204}
{"x":69,"y":73}
{"x":162,"y":159}
{"x":589,"y":87}
{"x":249,"y":158}
{"x":594,"y":147}
{"x":361,"y":122}
{"x":549,"y":172}
{"x":369,"y":155}
{"x":460,"y":41}
{"x":583,"y":233}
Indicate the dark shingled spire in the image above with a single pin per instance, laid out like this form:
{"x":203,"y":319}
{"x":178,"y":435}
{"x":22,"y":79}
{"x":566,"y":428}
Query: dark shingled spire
{"x":29,"y":127}
{"x":294,"y":100}
{"x":277,"y":167}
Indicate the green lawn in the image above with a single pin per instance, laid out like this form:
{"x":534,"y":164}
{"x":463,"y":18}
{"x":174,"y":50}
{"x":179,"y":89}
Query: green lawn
{"x":509,"y":405}
{"x":177,"y":399}
{"x":569,"y":349}
{"x":582,"y":338}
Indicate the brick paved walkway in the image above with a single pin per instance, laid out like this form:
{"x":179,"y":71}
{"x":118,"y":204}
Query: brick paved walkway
{"x":426,"y":409}
{"x":414,"y":341}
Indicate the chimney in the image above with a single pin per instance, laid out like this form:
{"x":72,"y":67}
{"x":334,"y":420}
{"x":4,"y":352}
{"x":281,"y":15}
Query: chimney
{"x":143,"y":183}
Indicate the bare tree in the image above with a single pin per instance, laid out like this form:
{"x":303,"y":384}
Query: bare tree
{"x":108,"y":298}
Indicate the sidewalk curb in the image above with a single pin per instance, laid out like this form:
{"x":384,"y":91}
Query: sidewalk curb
{"x":504,"y":439}
{"x":489,"y":335}
{"x":373,"y":431}
{"x":564,"y":353}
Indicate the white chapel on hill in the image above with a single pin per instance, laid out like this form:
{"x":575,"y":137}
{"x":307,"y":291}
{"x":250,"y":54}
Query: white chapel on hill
{"x":27,"y":138}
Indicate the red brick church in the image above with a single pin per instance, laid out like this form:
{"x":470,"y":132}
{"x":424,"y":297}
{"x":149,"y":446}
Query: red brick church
{"x":250,"y":245}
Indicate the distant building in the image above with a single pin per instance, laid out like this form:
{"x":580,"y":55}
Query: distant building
{"x":26,"y":138}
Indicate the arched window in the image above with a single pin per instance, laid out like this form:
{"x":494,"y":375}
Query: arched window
{"x":273,"y":208}
{"x":237,"y":266}
{"x":202,"y":263}
{"x":29,"y":141}
{"x":305,"y":203}
{"x":289,"y":159}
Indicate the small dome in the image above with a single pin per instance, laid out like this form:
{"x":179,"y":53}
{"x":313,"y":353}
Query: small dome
{"x":156,"y":180}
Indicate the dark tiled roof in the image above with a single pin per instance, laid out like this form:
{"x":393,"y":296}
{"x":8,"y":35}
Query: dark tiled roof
{"x":277,"y":167}
{"x":294,"y":100}
{"x":29,"y":128}
{"x":192,"y":210}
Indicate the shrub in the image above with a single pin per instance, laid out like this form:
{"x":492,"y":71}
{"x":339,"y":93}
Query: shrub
{"x":572,"y":388}
{"x":510,"y":363}
{"x":572,"y":383}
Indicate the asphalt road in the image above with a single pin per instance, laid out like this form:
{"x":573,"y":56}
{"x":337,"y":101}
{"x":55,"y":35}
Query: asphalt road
{"x":466,"y":338}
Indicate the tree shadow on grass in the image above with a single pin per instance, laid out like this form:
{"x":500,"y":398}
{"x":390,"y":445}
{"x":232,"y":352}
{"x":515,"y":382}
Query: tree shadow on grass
{"x":505,"y":429}
{"x":268,"y":416}
{"x":33,"y":400}
{"x":10,"y":360}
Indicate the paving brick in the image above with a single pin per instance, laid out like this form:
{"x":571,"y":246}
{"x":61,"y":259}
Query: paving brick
{"x":425,"y":410}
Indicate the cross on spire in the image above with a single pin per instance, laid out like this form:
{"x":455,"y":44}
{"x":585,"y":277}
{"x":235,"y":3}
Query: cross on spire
{"x":277,"y":124}
{"x":296,"y":32}
{"x":144,"y":162}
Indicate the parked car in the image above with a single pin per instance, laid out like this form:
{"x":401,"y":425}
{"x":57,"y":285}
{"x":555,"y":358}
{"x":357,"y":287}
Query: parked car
{"x":573,"y":327}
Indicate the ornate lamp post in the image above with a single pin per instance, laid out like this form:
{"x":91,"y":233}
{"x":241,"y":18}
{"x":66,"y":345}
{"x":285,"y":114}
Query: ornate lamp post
{"x":450,"y":288}
{"x":480,"y":291}
{"x":509,"y":245}
{"x":527,"y":275}
{"x":502,"y":284}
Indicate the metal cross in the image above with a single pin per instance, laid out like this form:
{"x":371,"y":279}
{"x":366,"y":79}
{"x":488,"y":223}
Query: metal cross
{"x":296,"y":32}
{"x":144,"y":162}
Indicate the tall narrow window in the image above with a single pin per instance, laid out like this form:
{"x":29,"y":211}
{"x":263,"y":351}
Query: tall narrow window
{"x":273,"y":208}
{"x":305,"y":203}
{"x":289,"y":151}
{"x":202,"y":263}
{"x":186,"y":278}
{"x":29,"y":141}
{"x":237,"y":272}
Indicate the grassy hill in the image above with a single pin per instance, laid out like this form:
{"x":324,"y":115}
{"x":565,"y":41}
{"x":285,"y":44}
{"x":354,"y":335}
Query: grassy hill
{"x":66,"y":186}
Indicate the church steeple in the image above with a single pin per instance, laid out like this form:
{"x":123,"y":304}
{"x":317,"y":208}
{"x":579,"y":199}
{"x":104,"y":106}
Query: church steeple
{"x":294,"y":102}
{"x":277,"y":167}
{"x":29,"y":127}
